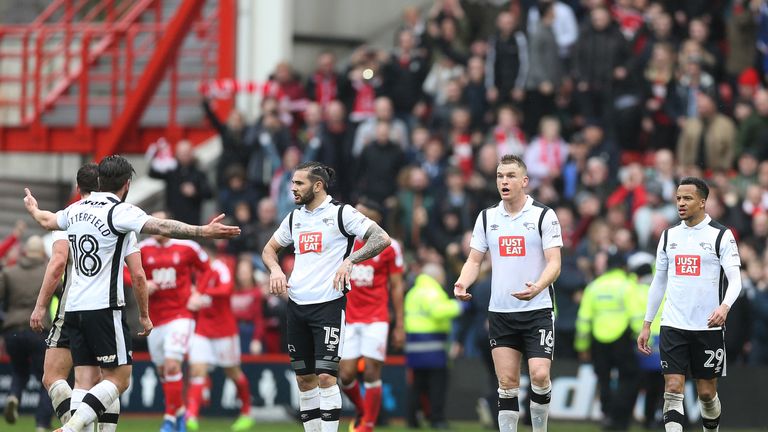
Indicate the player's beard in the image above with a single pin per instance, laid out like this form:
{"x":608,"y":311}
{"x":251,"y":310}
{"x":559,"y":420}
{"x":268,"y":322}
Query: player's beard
{"x":306,"y":198}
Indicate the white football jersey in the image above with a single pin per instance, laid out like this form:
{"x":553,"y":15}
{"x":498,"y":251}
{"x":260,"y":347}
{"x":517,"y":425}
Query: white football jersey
{"x":695,"y":278}
{"x":98,"y":230}
{"x":319,"y":246}
{"x":62,"y":235}
{"x":517,"y":247}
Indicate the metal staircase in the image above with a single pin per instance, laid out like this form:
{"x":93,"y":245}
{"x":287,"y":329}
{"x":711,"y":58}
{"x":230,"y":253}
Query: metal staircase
{"x":111,"y":76}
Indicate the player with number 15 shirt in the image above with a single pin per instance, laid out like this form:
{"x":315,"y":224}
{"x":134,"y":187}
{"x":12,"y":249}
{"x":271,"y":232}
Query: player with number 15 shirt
{"x":322,"y":232}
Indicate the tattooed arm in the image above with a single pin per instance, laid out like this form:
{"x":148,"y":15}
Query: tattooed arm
{"x":376,"y":240}
{"x":179,"y":230}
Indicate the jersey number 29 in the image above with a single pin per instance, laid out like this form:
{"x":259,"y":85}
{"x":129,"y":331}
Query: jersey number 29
{"x":85,"y":251}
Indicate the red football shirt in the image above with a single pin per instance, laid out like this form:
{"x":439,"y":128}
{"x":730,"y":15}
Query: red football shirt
{"x":216,"y":320}
{"x":171,"y":266}
{"x":367,"y":302}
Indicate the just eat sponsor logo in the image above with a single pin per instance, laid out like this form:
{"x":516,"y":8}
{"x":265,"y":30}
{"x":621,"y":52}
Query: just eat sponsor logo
{"x":688,"y":265}
{"x":511,"y":246}
{"x":310,"y":242}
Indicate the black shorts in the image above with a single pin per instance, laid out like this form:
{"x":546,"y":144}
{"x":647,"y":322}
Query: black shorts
{"x":701,"y":352}
{"x":99,"y":338}
{"x":315,"y":334}
{"x":58,"y":337}
{"x":532,"y":332}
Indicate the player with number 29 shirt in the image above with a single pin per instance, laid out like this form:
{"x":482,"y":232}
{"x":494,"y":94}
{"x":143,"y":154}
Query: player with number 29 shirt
{"x":695,"y":261}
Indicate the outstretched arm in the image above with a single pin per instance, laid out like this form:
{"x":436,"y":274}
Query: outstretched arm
{"x":45,"y":218}
{"x":180,"y":230}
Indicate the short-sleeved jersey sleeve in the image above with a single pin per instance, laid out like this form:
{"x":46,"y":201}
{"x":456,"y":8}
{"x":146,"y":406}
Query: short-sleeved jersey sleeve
{"x":395,"y":264}
{"x":479,"y":241}
{"x":62,"y":217}
{"x":133,"y":244}
{"x":551,"y":235}
{"x":59,"y":235}
{"x":355,"y":223}
{"x":729,"y":251}
{"x":200,"y":258}
{"x":127,"y":217}
{"x":662,"y":262}
{"x":283,"y":233}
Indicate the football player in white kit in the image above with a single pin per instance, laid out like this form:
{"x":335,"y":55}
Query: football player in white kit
{"x":97,"y":229}
{"x":524,"y":240}
{"x":693,"y":260}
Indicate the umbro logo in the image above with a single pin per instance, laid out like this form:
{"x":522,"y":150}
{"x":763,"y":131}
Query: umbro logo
{"x":494,"y":227}
{"x":297,"y":225}
{"x":530,"y":225}
{"x":673,"y":245}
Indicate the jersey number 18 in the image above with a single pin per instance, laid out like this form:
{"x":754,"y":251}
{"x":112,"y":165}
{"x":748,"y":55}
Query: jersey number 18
{"x":85,"y":254}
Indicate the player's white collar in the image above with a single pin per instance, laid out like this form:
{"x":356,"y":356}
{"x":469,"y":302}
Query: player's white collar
{"x":527,"y":206}
{"x":322,"y":205}
{"x":701,"y":224}
{"x":104,"y":194}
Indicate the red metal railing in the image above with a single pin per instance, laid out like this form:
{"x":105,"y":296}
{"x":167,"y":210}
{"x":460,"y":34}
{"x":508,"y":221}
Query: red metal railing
{"x":82,"y":60}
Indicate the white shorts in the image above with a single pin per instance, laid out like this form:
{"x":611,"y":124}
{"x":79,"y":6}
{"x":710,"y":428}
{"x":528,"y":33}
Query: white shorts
{"x":223,"y":352}
{"x":365,"y":340}
{"x":170,"y":340}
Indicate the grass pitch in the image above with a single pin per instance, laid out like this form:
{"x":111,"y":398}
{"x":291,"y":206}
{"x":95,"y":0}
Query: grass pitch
{"x":150,"y":424}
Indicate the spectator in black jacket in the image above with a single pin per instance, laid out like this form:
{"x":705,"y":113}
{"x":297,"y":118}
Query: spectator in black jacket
{"x":599,"y":61}
{"x":404,"y":75}
{"x":235,"y":148}
{"x":507,"y":60}
{"x":379,"y":165}
{"x":186,"y":186}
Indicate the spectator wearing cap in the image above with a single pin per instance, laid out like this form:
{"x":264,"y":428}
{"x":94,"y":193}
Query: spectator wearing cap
{"x":747,"y":86}
{"x":707,"y":140}
{"x":19,"y":287}
{"x":604,"y":336}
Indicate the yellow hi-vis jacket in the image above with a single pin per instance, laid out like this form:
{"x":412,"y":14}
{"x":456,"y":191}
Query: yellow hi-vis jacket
{"x":428,"y":315}
{"x":606,"y":309}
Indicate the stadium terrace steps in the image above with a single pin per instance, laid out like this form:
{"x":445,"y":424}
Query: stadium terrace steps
{"x":50,"y":195}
